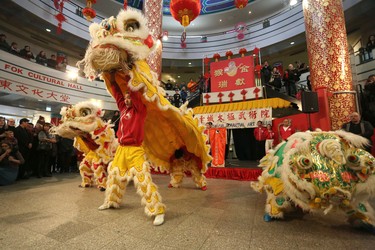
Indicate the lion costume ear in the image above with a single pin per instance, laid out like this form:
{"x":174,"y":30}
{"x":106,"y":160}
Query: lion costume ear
{"x":94,"y":29}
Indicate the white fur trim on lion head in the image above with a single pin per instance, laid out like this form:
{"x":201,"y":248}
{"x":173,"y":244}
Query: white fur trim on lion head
{"x":82,"y":117}
{"x":128,"y":31}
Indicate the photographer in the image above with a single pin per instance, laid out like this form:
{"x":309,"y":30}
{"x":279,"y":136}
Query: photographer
{"x":10,"y":159}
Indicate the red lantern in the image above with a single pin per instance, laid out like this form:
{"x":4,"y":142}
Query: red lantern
{"x":89,"y":12}
{"x":216,"y":57}
{"x":243,"y":51}
{"x":229,"y":54}
{"x":240,"y":4}
{"x":185,"y":11}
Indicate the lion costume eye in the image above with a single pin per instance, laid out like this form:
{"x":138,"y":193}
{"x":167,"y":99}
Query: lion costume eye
{"x":85,"y":112}
{"x":304,"y":163}
{"x":131,"y":25}
{"x":105,"y":25}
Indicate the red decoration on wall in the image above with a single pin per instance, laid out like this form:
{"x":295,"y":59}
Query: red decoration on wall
{"x":231,"y":94}
{"x":240,"y":4}
{"x":240,"y":28}
{"x":243,"y":93}
{"x":256,"y":91}
{"x":207,"y":97}
{"x":220,"y":95}
{"x":206,"y":60}
{"x":89,"y":12}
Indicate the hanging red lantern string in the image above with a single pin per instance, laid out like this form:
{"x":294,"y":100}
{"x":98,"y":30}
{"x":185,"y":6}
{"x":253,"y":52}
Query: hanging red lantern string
{"x":258,"y":67}
{"x":89,"y":12}
{"x":183,"y":39}
{"x":59,"y":5}
{"x":207,"y":74}
{"x":185,"y":11}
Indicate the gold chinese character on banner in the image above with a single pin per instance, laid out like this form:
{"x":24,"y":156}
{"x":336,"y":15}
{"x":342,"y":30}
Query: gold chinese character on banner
{"x":218,"y":72}
{"x":240,"y":81}
{"x":223,"y":84}
{"x":244,"y":68}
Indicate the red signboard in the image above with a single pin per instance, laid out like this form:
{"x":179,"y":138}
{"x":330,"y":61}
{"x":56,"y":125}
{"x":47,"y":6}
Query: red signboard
{"x":237,"y":73}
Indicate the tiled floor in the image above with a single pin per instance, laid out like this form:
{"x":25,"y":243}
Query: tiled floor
{"x":53,"y":213}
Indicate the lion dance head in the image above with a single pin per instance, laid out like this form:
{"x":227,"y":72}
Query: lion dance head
{"x":116,"y":43}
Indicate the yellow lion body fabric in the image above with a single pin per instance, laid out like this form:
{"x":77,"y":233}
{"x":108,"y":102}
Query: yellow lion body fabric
{"x":118,"y":51}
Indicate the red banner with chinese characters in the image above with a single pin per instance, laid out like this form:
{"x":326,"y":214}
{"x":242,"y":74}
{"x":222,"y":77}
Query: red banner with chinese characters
{"x":218,"y":139}
{"x":237,"y":119}
{"x":237,"y":73}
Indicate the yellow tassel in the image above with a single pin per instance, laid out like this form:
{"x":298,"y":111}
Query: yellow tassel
{"x":185,"y":20}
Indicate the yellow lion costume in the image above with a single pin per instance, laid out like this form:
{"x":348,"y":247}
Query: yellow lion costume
{"x":93,"y":137}
{"x":118,"y":50}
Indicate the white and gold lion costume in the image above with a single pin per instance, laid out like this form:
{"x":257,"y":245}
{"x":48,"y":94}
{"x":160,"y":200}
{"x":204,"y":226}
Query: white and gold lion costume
{"x":93,"y":137}
{"x":118,"y":51}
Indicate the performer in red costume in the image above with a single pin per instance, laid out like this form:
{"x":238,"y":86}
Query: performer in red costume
{"x":130,"y":158}
{"x":285,"y":130}
{"x":260,"y":134}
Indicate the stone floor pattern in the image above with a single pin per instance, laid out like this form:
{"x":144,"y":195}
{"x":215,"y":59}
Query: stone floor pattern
{"x":53,"y":213}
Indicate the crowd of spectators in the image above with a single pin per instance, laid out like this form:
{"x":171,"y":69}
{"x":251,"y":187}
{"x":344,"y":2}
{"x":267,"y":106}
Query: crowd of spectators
{"x":365,"y":53}
{"x":31,"y":150}
{"x":27,"y":54}
{"x":183,"y":91}
{"x":287,"y":80}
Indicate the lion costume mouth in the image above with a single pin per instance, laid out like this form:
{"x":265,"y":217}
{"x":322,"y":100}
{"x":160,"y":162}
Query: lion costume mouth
{"x":117,"y":42}
{"x":107,"y":57}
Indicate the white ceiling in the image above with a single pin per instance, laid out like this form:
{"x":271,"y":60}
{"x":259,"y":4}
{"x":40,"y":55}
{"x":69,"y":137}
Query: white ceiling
{"x":208,"y":23}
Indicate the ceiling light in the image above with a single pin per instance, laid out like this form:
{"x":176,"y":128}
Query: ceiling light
{"x":189,"y":63}
{"x":178,"y":76}
{"x":220,"y":20}
{"x":291,"y":43}
{"x":292,"y":2}
{"x":250,"y":12}
{"x":48,"y":30}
